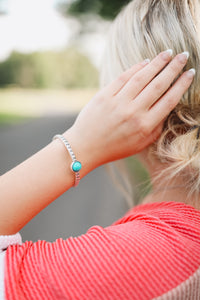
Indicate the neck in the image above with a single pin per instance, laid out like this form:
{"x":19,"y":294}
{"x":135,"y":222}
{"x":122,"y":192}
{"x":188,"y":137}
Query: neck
{"x":175,"y":193}
{"x":175,"y":190}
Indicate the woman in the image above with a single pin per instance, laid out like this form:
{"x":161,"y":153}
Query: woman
{"x":153,"y":252}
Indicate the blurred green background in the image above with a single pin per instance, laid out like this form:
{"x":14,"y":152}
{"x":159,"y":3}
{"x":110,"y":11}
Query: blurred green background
{"x":39,"y":81}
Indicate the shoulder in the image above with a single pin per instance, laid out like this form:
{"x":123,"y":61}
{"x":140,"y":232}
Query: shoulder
{"x":145,"y":255}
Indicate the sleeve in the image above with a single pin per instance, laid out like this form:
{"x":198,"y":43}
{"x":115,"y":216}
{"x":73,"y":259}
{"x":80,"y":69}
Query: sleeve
{"x":7,"y":240}
{"x":92,"y":266}
{"x":140,"y":259}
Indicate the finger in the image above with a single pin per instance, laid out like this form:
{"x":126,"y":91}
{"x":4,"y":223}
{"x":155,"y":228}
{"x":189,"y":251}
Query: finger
{"x":139,"y":81}
{"x":162,"y":82}
{"x":160,"y":110}
{"x":116,"y":85}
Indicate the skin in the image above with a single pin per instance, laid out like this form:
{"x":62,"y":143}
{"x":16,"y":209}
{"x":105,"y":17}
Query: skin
{"x":121,"y":120}
{"x":174,"y":191}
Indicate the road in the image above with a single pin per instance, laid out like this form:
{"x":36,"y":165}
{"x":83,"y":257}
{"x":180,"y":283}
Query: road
{"x":94,"y":202}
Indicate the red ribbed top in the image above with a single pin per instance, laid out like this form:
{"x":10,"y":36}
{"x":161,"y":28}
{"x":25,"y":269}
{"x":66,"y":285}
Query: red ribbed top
{"x":151,"y":250}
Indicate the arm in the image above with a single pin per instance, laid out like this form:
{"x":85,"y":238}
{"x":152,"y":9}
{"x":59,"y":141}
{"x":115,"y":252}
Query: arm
{"x":120,"y":121}
{"x":35,"y":183}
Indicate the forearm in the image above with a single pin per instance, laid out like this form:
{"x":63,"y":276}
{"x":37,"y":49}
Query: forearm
{"x":35,"y":183}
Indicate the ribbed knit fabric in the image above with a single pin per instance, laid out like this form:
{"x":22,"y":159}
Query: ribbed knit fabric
{"x":149,"y":253}
{"x":2,"y":258}
{"x":5,"y":241}
{"x":187,"y":290}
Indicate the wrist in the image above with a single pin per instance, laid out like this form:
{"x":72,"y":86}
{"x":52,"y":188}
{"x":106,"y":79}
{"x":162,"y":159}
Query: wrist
{"x":82,"y":151}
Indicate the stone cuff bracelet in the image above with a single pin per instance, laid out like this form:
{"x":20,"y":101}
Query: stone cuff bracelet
{"x":75,"y":165}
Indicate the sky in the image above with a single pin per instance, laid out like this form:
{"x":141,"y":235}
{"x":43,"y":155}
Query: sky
{"x":32,"y":25}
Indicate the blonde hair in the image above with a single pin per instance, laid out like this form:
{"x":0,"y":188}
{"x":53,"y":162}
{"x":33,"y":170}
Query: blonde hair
{"x":142,"y":30}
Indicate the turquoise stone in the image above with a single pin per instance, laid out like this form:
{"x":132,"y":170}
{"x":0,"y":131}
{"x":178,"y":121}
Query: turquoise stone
{"x":76,"y":166}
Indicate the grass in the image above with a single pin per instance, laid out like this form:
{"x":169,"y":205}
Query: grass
{"x":6,"y":118}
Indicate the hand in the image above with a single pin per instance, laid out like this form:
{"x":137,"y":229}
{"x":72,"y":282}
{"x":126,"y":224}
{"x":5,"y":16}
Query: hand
{"x":128,"y":115}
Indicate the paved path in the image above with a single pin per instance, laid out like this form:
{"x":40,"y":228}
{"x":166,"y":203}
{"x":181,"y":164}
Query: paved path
{"x":94,"y":202}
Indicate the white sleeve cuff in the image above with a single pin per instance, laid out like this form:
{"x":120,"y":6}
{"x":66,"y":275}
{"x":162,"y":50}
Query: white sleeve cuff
{"x":7,"y":240}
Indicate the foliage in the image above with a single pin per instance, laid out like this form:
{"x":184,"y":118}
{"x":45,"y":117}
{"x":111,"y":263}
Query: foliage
{"x":8,"y":118}
{"x":106,"y":9}
{"x":67,"y":69}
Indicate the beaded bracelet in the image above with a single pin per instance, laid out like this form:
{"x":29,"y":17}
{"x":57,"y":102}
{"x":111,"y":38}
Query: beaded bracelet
{"x":75,"y":165}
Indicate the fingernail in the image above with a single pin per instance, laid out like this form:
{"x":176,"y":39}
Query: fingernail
{"x":145,"y":62}
{"x":183,"y":57}
{"x":167,"y":54}
{"x":191,"y":73}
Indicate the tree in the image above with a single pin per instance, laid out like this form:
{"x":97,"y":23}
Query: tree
{"x":106,"y":9}
{"x":66,"y":69}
